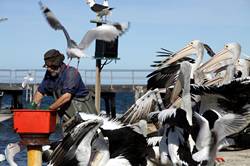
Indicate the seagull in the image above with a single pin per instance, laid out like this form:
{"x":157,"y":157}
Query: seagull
{"x":100,"y":10}
{"x":106,"y":32}
{"x":3,"y":19}
{"x":105,"y":3}
{"x":26,"y":80}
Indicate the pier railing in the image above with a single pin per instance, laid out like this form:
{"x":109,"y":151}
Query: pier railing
{"x":108,"y":76}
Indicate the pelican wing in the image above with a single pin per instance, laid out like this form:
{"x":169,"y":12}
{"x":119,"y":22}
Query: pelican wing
{"x":229,"y":124}
{"x":232,"y":97}
{"x":65,"y":151}
{"x":149,"y":102}
{"x":106,"y":32}
{"x":204,"y":135}
{"x":163,"y":77}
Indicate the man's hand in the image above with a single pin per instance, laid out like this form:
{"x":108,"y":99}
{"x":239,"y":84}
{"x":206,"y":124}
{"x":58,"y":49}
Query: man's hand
{"x":60,"y":101}
{"x":32,"y":106}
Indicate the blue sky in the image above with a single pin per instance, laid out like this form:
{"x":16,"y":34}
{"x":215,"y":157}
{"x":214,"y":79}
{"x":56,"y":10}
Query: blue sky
{"x":171,"y":24}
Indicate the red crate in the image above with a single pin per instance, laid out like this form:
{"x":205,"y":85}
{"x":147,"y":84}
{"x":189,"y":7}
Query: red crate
{"x":28,"y":121}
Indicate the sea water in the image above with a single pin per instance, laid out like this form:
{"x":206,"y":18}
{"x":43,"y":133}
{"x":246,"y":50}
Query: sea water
{"x":123,"y":101}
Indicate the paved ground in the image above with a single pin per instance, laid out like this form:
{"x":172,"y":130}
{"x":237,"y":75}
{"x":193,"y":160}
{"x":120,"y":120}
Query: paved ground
{"x":235,"y":158}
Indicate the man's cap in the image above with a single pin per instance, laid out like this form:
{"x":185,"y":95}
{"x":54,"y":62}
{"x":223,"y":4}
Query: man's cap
{"x":53,"y":58}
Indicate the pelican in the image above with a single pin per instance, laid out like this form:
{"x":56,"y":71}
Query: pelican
{"x":85,"y":144}
{"x":216,"y":101}
{"x":194,"y":47}
{"x":228,"y":57}
{"x":227,"y":98}
{"x":106,"y":32}
{"x":149,"y":102}
{"x":128,"y":142}
{"x":11,"y":150}
{"x":178,"y":123}
{"x":2,"y":157}
{"x":243,"y":67}
{"x":208,"y":140}
{"x":76,"y":145}
{"x":100,"y":10}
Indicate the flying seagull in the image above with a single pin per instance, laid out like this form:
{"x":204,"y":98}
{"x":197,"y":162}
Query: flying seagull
{"x":100,"y":10}
{"x":3,"y":19}
{"x":106,"y":32}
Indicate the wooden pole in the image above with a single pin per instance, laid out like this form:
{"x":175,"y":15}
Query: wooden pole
{"x":98,"y":85}
{"x":34,"y":155}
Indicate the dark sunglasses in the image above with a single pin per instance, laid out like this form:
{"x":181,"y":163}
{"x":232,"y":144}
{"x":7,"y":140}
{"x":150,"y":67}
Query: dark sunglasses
{"x":51,"y":67}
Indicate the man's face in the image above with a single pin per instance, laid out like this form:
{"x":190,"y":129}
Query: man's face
{"x":53,"y":70}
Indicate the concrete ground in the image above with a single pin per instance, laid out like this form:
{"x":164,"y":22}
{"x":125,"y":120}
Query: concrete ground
{"x":235,"y":158}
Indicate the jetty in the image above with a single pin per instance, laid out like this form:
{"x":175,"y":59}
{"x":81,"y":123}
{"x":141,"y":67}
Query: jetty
{"x":112,"y":82}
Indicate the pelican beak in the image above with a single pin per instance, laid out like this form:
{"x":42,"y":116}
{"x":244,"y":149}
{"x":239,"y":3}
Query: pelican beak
{"x":186,"y":51}
{"x":214,"y":81}
{"x":212,"y":64}
{"x":176,"y":91}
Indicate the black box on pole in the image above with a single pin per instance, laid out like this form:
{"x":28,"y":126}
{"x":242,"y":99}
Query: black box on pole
{"x":108,"y":50}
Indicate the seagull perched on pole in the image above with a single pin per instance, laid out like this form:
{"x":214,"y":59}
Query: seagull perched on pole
{"x":100,"y":10}
{"x":106,"y":32}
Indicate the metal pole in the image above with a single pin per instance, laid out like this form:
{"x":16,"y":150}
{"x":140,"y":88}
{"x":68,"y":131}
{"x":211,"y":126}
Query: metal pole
{"x":34,"y":155}
{"x":98,"y":85}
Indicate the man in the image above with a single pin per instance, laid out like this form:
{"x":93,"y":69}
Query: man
{"x":66,"y":85}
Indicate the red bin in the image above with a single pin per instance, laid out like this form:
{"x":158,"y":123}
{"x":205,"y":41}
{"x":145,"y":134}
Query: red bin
{"x":28,"y":121}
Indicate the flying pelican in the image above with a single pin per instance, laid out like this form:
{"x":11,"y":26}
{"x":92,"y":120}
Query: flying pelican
{"x":106,"y":32}
{"x":208,"y":140}
{"x":227,"y":98}
{"x":100,"y":10}
{"x":228,"y":57}
{"x":217,"y":101}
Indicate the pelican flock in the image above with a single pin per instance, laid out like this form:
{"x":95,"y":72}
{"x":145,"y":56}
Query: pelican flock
{"x":191,"y":110}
